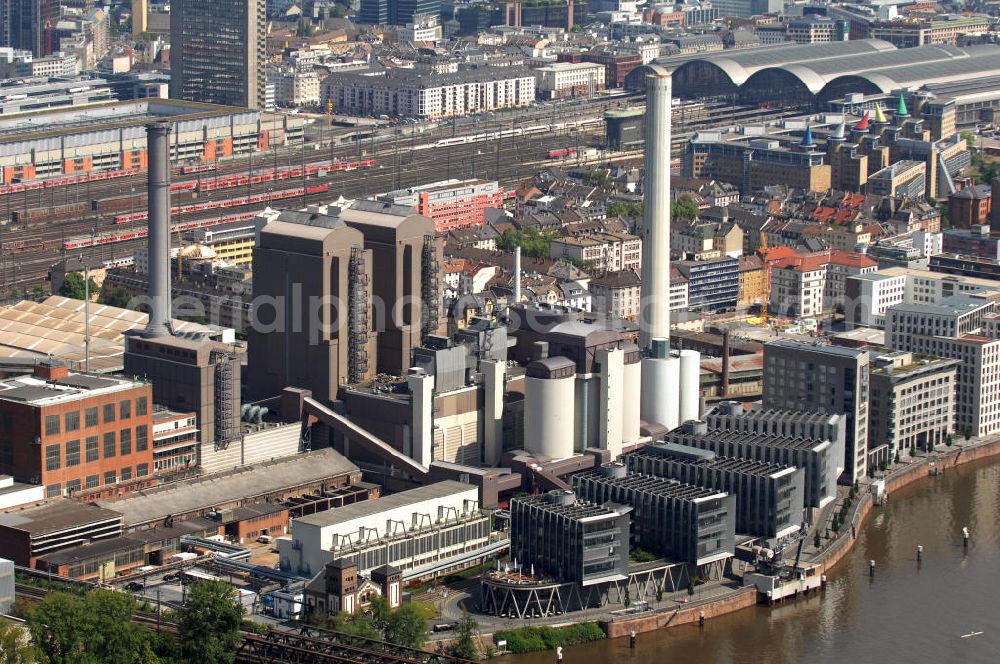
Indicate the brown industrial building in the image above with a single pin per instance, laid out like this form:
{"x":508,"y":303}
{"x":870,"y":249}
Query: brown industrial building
{"x":348,"y":286}
{"x":76,"y":433}
{"x":31,"y":532}
{"x":191,"y":375}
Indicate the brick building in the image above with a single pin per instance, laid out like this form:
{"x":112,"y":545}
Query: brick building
{"x":76,"y":433}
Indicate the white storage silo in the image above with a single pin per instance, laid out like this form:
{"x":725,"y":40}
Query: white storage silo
{"x":632,"y":394}
{"x":690,"y":385}
{"x":659,"y":403}
{"x":549,"y":394}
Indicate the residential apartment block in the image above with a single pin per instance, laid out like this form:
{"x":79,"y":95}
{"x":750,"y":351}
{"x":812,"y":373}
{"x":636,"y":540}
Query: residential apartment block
{"x":912,"y":401}
{"x":414,"y":94}
{"x":608,"y":252}
{"x":952,"y":328}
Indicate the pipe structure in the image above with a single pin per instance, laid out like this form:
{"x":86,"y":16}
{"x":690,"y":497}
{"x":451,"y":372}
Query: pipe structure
{"x":158,"y":247}
{"x":725,"y":363}
{"x":654,"y":312}
{"x":517,"y":274}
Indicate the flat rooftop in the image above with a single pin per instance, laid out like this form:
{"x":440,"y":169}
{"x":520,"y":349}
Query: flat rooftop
{"x":108,"y":115}
{"x":371,"y":508}
{"x":56,"y":515}
{"x":244,"y":483}
{"x":36,"y":391}
{"x":744,"y":437}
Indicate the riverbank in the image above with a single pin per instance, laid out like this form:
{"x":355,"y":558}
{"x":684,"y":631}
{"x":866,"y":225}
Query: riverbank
{"x":827,"y":558}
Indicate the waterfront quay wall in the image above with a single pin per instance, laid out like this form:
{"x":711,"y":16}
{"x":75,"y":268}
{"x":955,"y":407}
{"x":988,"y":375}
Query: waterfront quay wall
{"x":690,"y":613}
{"x":826,"y":559}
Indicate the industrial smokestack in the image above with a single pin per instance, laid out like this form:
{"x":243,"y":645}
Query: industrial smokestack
{"x":725,"y":363}
{"x":158,"y":246}
{"x":517,"y":274}
{"x":654,"y":319}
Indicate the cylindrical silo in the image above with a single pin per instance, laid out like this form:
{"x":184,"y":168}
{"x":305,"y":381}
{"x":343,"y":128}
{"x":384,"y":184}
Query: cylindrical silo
{"x":690,"y":388}
{"x":632,"y":394}
{"x":660,"y":378}
{"x":549,"y":392}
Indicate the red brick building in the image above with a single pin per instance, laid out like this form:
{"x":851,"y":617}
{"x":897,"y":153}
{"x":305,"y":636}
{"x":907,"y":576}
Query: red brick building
{"x":76,"y":433}
{"x":618,"y":65}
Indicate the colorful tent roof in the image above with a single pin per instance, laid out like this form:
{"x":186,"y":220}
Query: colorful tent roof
{"x":863,"y":123}
{"x":838,"y":132}
{"x":807,"y":138}
{"x":879,"y":115}
{"x":901,"y":111}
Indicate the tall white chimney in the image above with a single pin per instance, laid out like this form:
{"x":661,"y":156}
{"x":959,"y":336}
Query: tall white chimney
{"x":654,"y":315}
{"x":158,"y":247}
{"x":517,"y":274}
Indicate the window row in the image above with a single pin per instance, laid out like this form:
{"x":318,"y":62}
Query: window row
{"x":70,"y":421}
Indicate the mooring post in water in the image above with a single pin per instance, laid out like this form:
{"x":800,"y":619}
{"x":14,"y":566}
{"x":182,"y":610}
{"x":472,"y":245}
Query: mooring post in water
{"x":701,"y":619}
{"x":631,"y":639}
{"x":920,"y":553}
{"x":558,"y":654}
{"x":965,"y":537}
{"x":871,"y":568}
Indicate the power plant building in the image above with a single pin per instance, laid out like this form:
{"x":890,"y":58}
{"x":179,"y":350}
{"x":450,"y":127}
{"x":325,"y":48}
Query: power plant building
{"x":348,"y":264}
{"x":769,"y":497}
{"x":682,"y":522}
{"x":572,"y":540}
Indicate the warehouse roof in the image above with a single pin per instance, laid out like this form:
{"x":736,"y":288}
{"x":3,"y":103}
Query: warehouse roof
{"x":54,"y":328}
{"x":208,"y":491}
{"x":55,"y":515}
{"x":371,"y":508}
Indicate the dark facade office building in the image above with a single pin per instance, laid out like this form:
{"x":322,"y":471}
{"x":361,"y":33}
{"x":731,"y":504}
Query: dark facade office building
{"x":573,"y":541}
{"x":769,"y":497}
{"x":23,"y":25}
{"x":217,"y":52}
{"x":396,"y":12}
{"x":678,"y":521}
{"x":818,"y":459}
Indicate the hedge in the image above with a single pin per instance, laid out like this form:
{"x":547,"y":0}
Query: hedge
{"x":530,"y":639}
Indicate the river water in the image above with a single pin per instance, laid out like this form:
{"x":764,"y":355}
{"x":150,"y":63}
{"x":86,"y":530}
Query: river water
{"x":908,"y":613}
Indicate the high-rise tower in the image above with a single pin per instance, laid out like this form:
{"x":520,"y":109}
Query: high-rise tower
{"x":217,"y":52}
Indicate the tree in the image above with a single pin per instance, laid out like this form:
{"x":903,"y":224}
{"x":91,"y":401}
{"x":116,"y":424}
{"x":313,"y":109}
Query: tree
{"x":969,"y":138}
{"x":628,"y":598}
{"x":15,"y":646}
{"x":94,"y":629}
{"x":690,"y":586}
{"x":119,"y":297}
{"x":659,"y":592}
{"x":54,"y":626}
{"x":625,"y":209}
{"x":968,"y":434}
{"x":73,"y":286}
{"x":210,"y":623}
{"x":465,"y":645}
{"x":947,"y":440}
{"x":406,"y":627}
{"x":684,"y":209}
{"x":817,"y":542}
